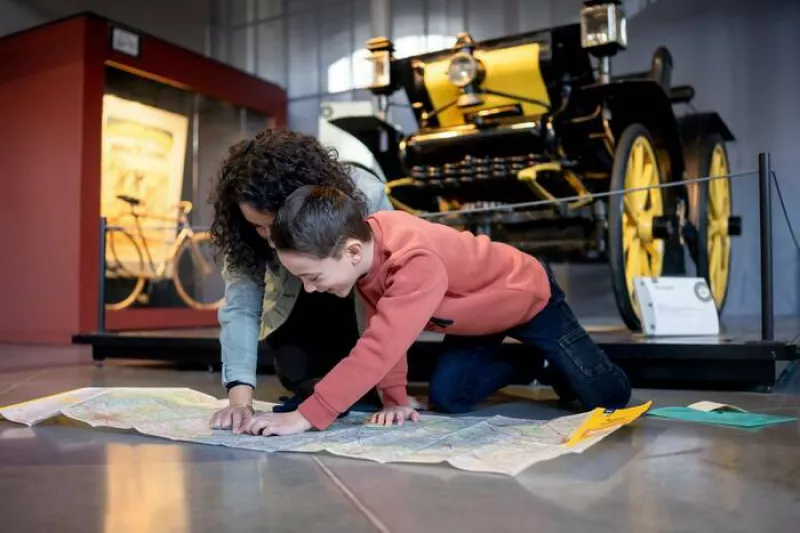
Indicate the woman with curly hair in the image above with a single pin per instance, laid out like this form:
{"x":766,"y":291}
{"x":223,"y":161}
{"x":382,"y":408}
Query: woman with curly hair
{"x":307,"y":332}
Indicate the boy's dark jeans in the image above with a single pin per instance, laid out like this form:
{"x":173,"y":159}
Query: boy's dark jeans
{"x":470,"y":368}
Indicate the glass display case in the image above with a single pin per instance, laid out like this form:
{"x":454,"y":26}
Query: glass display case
{"x":161,"y":150}
{"x":114,"y":140}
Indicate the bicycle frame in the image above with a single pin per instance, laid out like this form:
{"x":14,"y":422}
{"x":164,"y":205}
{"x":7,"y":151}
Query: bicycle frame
{"x":186,"y":233}
{"x":186,"y":240}
{"x":169,"y":256}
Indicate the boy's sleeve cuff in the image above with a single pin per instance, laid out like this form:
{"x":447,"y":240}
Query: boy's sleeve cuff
{"x":318,"y":413}
{"x":396,"y":396}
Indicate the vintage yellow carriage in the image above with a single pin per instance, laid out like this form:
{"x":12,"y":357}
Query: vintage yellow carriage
{"x":508,"y":123}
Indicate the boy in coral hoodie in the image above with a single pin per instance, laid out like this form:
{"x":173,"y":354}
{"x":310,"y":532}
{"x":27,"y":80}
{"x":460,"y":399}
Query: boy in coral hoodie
{"x":416,"y":276}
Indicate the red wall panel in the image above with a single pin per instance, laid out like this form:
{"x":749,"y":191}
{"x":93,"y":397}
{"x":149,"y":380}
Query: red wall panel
{"x":41,"y":91}
{"x":91,"y":154}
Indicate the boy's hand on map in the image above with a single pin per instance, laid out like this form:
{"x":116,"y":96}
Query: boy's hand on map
{"x":278,"y":424}
{"x":389,"y":415}
{"x":234,"y":417}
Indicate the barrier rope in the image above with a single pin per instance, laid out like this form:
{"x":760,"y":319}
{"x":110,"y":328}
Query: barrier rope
{"x":567,"y":199}
{"x":520,"y":205}
{"x":785,"y":211}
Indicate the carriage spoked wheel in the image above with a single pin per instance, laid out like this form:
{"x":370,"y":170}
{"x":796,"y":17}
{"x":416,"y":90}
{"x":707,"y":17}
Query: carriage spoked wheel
{"x":710,"y":213}
{"x":637,"y":222}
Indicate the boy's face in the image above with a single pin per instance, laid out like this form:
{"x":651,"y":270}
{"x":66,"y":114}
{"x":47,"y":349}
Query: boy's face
{"x":333,"y":275}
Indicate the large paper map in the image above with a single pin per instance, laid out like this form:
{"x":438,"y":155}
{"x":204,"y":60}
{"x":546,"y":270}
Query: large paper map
{"x":496,"y":444}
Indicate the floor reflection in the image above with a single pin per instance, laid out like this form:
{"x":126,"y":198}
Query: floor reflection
{"x":145,"y":489}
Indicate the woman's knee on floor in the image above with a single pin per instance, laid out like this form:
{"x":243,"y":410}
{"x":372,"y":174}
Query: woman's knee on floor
{"x":291,"y":365}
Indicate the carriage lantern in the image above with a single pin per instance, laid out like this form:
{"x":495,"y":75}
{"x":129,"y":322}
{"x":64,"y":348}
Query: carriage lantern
{"x":603,"y":32}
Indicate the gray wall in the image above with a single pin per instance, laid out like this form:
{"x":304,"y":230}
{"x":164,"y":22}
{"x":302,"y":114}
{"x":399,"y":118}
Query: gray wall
{"x":16,"y":17}
{"x":183,"y":22}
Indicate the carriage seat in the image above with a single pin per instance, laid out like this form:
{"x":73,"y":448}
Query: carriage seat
{"x":661,"y":73}
{"x":681,"y":94}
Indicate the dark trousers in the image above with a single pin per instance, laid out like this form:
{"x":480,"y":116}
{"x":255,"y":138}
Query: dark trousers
{"x":470,"y":368}
{"x":320,"y":331}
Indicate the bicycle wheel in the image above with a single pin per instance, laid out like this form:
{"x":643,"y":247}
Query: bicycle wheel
{"x":127,"y":279}
{"x":197,"y":280}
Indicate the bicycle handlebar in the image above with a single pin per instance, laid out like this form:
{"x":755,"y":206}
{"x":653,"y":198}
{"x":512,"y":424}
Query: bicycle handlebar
{"x":184,"y":207}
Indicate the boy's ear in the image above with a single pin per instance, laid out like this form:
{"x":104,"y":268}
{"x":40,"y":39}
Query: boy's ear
{"x":353,"y":249}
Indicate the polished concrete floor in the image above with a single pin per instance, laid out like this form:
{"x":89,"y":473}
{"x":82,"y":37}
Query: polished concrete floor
{"x":656,"y":476}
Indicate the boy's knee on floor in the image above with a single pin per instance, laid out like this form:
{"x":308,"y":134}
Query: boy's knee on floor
{"x":615,"y":395}
{"x":445,"y":400}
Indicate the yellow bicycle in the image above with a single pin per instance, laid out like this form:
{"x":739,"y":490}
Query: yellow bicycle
{"x":188,"y":261}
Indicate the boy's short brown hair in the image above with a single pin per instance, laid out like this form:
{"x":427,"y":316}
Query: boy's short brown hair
{"x":317,"y":220}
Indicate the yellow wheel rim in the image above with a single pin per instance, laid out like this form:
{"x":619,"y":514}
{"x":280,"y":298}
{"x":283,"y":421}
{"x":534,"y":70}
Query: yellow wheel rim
{"x":643,"y":255}
{"x":719,"y":211}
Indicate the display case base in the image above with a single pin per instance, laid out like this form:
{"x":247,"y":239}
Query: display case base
{"x":737,"y":361}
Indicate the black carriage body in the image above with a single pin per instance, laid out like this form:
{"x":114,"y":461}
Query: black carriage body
{"x":474,"y":154}
{"x":553,"y":109}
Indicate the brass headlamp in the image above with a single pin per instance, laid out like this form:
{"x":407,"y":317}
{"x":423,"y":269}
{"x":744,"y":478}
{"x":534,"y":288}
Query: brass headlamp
{"x":465,"y":71}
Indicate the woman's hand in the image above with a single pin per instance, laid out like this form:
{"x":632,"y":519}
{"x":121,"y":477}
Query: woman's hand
{"x":278,"y":424}
{"x":389,"y":415}
{"x":234,"y":417}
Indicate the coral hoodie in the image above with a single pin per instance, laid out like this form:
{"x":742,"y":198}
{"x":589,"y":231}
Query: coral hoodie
{"x":425,"y":276}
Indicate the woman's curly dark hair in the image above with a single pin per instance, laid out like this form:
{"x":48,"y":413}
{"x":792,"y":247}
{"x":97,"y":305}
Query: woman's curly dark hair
{"x":262,"y":172}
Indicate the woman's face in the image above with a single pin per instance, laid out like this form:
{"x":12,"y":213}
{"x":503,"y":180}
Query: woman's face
{"x":261,"y":220}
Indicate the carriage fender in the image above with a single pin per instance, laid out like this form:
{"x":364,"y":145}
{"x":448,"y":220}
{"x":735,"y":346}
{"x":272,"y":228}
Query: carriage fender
{"x":700,"y":125}
{"x":644,"y":102}
{"x":380,"y":138}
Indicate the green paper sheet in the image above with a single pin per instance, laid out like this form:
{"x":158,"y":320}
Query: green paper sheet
{"x":721,"y":418}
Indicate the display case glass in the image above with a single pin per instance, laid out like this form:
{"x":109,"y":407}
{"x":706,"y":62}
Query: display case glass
{"x":162,"y":147}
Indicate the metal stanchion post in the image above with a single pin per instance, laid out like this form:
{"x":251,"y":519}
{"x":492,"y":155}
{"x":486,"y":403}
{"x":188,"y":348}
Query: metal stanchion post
{"x":765,"y":224}
{"x":101,"y":276}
